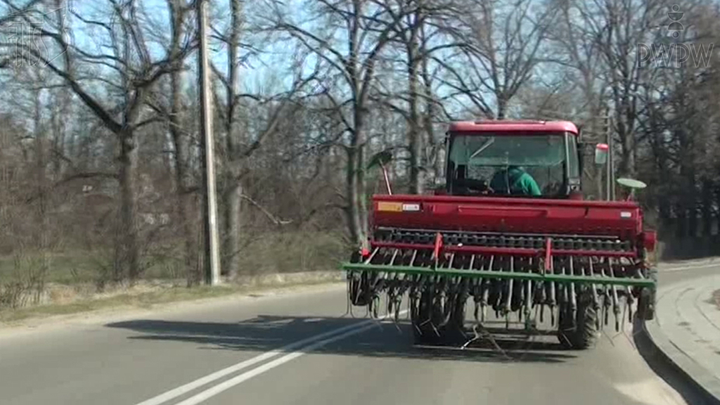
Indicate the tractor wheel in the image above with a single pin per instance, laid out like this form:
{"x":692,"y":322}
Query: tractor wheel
{"x":646,"y":299}
{"x":454,"y":331}
{"x":426,"y":319}
{"x":646,"y":305}
{"x":579,"y":333}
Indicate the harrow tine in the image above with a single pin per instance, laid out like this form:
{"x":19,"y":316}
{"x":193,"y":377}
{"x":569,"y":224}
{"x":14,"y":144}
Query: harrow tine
{"x":553,"y":297}
{"x":528,"y":294}
{"x":573,"y":298}
{"x":394,"y":256}
{"x":508,"y":297}
{"x":616,"y":306}
{"x":372,"y":256}
{"x":592,"y":286}
{"x":414,"y":256}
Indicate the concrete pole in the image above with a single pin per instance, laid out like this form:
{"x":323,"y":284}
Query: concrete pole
{"x":212,"y":249}
{"x":609,"y":164}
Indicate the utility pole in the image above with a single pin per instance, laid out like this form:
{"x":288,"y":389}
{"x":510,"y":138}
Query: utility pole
{"x":608,"y":165}
{"x":212,"y":253}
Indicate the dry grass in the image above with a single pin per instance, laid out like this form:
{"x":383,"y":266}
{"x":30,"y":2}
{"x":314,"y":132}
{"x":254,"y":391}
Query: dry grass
{"x":75,"y":267}
{"x":78,"y":281}
{"x":130,"y":299}
{"x":147,"y":295}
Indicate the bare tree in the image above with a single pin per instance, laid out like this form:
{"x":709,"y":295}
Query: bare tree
{"x":351,"y":65}
{"x":243,"y":139}
{"x":420,"y":35}
{"x":506,"y":38}
{"x":181,"y":139}
{"x":620,"y":27}
{"x":129,"y":71}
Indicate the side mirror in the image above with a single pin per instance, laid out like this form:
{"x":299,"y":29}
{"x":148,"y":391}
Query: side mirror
{"x":601,"y":153}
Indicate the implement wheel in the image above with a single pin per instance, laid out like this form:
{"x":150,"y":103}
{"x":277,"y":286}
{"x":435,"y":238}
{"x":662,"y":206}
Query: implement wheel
{"x":580,"y":332}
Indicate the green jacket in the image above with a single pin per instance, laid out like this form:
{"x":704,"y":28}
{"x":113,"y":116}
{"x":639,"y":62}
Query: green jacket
{"x":520,"y":182}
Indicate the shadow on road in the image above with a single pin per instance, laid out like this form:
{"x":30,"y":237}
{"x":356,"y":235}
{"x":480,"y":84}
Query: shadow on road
{"x":265,"y":333}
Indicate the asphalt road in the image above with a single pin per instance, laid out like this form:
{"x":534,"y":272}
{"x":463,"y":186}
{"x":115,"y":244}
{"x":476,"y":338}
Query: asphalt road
{"x":227,"y":353}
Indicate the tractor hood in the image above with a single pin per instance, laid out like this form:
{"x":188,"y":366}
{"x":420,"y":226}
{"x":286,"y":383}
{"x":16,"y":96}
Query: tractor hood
{"x":617,"y":219}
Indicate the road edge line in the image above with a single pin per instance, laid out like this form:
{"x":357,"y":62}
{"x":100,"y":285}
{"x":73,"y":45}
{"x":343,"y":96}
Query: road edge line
{"x":239,"y":379}
{"x":291,"y":348}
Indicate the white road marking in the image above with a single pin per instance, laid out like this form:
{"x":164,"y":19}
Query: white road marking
{"x":174,"y":393}
{"x":211,"y":392}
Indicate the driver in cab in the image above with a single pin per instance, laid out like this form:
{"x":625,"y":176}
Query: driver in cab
{"x":515,"y":180}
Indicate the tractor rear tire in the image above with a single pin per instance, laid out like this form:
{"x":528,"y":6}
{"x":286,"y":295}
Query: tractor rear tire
{"x":647,"y":298}
{"x":646,"y":305}
{"x":579,"y":333}
{"x":454,"y":331}
{"x":435,"y":333}
{"x":425,"y":320}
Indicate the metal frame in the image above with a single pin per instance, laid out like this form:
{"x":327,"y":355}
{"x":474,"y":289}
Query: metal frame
{"x":503,"y":275}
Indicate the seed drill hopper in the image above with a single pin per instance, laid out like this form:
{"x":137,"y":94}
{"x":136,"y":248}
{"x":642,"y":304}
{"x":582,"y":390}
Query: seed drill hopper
{"x":511,"y":232}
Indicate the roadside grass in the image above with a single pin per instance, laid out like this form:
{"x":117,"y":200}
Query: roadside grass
{"x":81,"y":280}
{"x":281,"y":252}
{"x":149,"y":299}
{"x":79,"y":267}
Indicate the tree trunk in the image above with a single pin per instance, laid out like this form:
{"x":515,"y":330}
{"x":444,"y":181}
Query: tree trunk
{"x":233,"y":205}
{"x":415,"y":140}
{"x":128,"y":249}
{"x":501,"y":107}
{"x":434,"y":158}
{"x":233,"y":190}
{"x":360,"y":180}
{"x":184,"y":199}
{"x":44,"y":219}
{"x":353,"y":207}
{"x":707,"y":208}
{"x":183,"y":208}
{"x":362,"y":193}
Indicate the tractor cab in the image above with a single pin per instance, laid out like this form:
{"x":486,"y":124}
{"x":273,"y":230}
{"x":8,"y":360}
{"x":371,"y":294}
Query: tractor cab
{"x":530,"y":159}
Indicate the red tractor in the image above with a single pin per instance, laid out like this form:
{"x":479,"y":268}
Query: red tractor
{"x":511,"y":230}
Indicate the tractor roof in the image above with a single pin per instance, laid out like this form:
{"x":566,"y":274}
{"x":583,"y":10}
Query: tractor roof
{"x":511,"y":126}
